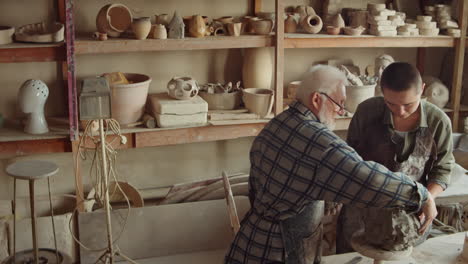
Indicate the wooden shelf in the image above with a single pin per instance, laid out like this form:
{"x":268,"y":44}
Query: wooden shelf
{"x":90,"y":46}
{"x":364,"y":41}
{"x":29,"y":52}
{"x":463,"y":108}
{"x":15,"y":141}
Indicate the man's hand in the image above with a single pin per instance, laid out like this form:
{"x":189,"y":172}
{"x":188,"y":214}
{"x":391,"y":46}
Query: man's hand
{"x":429,"y":213}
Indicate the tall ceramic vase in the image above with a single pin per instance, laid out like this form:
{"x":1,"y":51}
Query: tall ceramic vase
{"x":141,"y":27}
{"x":257,"y":69}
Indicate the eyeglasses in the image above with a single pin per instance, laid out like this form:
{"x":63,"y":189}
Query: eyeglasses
{"x":341,"y":109}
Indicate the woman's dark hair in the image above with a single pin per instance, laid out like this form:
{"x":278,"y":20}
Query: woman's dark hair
{"x":401,"y":76}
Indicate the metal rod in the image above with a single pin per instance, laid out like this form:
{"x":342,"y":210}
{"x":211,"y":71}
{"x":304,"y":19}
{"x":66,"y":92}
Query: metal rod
{"x":53,"y":222}
{"x":33,"y":221}
{"x":14,"y":220}
{"x":106,"y":202}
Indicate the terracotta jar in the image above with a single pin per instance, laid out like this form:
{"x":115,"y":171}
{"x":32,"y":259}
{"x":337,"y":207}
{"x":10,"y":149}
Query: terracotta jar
{"x":141,"y":27}
{"x":159,"y":32}
{"x":290,"y":24}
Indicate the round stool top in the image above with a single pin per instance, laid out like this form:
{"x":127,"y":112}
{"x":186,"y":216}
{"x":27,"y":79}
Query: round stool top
{"x":32,"y":169}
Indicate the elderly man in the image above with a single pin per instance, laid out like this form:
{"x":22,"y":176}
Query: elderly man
{"x":297,"y":161}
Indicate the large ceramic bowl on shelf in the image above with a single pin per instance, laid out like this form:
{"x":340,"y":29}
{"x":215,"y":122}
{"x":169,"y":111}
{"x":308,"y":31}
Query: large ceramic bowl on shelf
{"x":128,"y":100}
{"x":258,"y":100}
{"x":113,"y":19}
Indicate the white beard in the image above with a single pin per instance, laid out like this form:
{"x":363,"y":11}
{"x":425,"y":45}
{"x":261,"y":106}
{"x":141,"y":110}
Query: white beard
{"x":328,"y":122}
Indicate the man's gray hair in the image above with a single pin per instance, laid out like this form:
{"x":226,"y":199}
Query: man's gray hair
{"x":321,"y":78}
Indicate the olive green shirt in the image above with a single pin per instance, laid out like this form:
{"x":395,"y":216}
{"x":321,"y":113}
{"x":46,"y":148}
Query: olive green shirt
{"x":432,"y":117}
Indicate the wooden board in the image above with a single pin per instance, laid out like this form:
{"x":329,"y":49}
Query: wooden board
{"x":365,"y":41}
{"x":21,"y":52}
{"x":90,"y":46}
{"x":162,"y":230}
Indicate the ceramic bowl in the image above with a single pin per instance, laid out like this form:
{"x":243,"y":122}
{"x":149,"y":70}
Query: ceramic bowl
{"x":357,"y":31}
{"x":331,"y":30}
{"x":222,"y":101}
{"x":262,"y":27}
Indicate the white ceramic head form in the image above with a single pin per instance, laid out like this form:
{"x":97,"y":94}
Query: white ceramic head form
{"x":31,"y":99}
{"x":380,"y":63}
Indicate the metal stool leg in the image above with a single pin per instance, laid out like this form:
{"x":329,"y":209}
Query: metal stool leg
{"x":53,"y":222}
{"x":33,"y":221}
{"x":14,"y":220}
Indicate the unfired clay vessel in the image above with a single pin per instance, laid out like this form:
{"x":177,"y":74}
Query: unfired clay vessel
{"x":353,"y":31}
{"x":312,"y":24}
{"x":182,"y":88}
{"x":331,"y":30}
{"x":162,"y":19}
{"x":257,"y":69}
{"x":159,"y":31}
{"x":262,"y":27}
{"x":32,"y":97}
{"x":176,"y":29}
{"x":247,"y":24}
{"x":6,"y":34}
{"x":222,"y":101}
{"x":128,"y":100}
{"x":198,"y":28}
{"x":290,"y":24}
{"x":40,"y":33}
{"x":234,"y":29}
{"x":141,"y":27}
{"x":304,"y":10}
{"x":356,"y":95}
{"x":437,"y":93}
{"x":337,"y":21}
{"x":258,"y":101}
{"x":113,"y":19}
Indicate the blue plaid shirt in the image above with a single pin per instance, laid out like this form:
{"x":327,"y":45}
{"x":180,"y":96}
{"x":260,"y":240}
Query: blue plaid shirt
{"x":295,"y":160}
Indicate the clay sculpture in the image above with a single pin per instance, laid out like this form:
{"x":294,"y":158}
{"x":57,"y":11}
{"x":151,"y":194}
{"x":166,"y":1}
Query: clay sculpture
{"x":182,"y":88}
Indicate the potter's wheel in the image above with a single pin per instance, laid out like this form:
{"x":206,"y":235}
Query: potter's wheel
{"x":46,"y":256}
{"x":379,"y":255}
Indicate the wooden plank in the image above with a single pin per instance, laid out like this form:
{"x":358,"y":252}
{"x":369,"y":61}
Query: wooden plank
{"x":70,"y":70}
{"x":90,"y":46}
{"x":457,"y":81}
{"x":20,"y":52}
{"x":196,"y":134}
{"x":257,"y":6}
{"x":421,"y":58}
{"x":365,"y":41}
{"x":279,"y":56}
{"x":26,"y":147}
{"x":61,"y":10}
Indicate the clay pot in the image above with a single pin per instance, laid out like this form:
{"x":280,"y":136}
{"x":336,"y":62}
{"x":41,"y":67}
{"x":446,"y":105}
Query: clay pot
{"x":182,"y":88}
{"x":128,"y":100}
{"x":113,"y":19}
{"x":258,"y":101}
{"x":197,"y":27}
{"x":247,"y":24}
{"x":353,"y":31}
{"x":312,"y":24}
{"x":357,"y":94}
{"x":257,"y":69}
{"x":225,"y":19}
{"x":162,"y":19}
{"x":141,"y":27}
{"x":292,"y":88}
{"x":304,"y":10}
{"x":290,"y":24}
{"x":100,"y":36}
{"x":159,"y":32}
{"x":262,"y":27}
{"x":337,"y":21}
{"x":222,"y":101}
{"x":437,"y":93}
{"x":234,"y":29}
{"x":6,"y":34}
{"x":218,"y":28}
{"x":333,"y":30}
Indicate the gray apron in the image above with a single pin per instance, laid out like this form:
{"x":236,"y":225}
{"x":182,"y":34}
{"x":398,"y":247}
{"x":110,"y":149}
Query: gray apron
{"x":381,"y":146}
{"x":302,"y":235}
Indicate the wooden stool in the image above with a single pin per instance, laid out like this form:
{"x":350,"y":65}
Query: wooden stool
{"x":32,"y":170}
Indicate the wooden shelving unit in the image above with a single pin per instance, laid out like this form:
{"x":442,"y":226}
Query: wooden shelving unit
{"x":26,"y":52}
{"x":365,"y":41}
{"x":90,"y":46}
